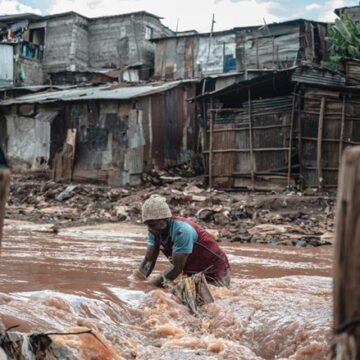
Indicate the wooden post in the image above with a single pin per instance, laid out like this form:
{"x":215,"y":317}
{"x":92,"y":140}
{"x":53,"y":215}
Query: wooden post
{"x":347,"y":258}
{"x":252,"y":159}
{"x":319,"y":145}
{"x":211,"y":148}
{"x":290,"y":140}
{"x":4,"y":188}
{"x":299,"y":136}
{"x":342,"y":129}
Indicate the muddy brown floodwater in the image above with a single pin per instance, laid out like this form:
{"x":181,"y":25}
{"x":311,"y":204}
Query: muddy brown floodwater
{"x":278,"y":306}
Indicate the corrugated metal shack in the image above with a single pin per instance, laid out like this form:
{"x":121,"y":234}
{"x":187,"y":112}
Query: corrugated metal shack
{"x":120,"y":131}
{"x":273,"y":46}
{"x":284,"y":128}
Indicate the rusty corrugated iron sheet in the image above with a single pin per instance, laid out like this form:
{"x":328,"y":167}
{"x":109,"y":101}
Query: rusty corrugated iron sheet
{"x":318,"y":76}
{"x":96,"y":93}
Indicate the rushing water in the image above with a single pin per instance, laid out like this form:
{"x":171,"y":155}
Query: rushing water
{"x":278,"y":306}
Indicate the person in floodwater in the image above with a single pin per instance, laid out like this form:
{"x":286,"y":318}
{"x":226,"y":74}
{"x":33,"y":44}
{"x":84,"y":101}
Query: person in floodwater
{"x":189,"y":248}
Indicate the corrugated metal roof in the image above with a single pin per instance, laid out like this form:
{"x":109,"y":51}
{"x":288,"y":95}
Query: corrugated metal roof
{"x":246,"y":83}
{"x":95,"y":93}
{"x":17,"y":17}
{"x":239,"y":28}
{"x":35,"y":88}
{"x":318,"y":76}
{"x":306,"y":74}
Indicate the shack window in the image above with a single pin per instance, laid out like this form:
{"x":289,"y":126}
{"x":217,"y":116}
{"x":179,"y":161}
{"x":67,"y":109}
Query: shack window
{"x":148,"y":32}
{"x":37,"y":36}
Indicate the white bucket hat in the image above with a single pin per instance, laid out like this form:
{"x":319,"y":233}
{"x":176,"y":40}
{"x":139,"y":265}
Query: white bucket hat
{"x":155,"y":208}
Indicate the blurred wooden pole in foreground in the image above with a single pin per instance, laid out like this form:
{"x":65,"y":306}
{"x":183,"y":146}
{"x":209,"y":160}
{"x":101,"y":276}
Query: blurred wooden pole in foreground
{"x":347,"y":259}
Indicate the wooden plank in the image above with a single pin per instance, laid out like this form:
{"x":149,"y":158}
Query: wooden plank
{"x":252,"y":158}
{"x":4,"y":189}
{"x":347,"y":258}
{"x":319,"y":144}
{"x":331,"y":140}
{"x":254,"y":128}
{"x":299,"y":137}
{"x":223,"y":162}
{"x":342,"y":128}
{"x":211,"y":149}
{"x":245,"y":150}
{"x":64,"y":160}
{"x":290,"y":140}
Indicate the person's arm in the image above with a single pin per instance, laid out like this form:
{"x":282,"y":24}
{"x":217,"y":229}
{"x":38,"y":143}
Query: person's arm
{"x":147,"y":265}
{"x":172,"y":273}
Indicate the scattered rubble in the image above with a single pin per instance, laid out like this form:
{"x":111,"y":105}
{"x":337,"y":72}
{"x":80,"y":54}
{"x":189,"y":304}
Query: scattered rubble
{"x":289,"y":219}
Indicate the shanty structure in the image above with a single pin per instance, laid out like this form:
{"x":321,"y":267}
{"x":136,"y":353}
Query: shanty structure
{"x":272,"y":46}
{"x":69,"y":47}
{"x":281,"y":129}
{"x":106,"y":134}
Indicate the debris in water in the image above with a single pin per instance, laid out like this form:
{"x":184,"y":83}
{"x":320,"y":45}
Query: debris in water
{"x":194,"y":292}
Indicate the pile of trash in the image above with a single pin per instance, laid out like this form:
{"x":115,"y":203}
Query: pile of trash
{"x":284,"y":218}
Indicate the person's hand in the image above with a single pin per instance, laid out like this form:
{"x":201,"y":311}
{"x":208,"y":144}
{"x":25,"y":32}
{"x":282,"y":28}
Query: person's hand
{"x":159,"y":281}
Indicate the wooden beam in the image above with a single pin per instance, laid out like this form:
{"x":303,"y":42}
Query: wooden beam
{"x":342,"y":128}
{"x":331,"y":140}
{"x":299,"y":135}
{"x":347,"y":258}
{"x":319,"y":145}
{"x":252,"y":158}
{"x":245,"y":150}
{"x":254,"y":128}
{"x":290,"y":141}
{"x":212,"y":115}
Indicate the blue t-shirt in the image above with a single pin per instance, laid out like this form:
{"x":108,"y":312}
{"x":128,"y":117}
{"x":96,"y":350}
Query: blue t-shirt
{"x":182,"y":235}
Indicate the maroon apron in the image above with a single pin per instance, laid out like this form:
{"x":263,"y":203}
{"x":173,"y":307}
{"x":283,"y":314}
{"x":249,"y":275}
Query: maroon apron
{"x":206,"y":255}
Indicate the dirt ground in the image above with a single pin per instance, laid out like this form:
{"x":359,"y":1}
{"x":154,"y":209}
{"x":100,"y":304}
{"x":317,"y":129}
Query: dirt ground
{"x":288,"y":218}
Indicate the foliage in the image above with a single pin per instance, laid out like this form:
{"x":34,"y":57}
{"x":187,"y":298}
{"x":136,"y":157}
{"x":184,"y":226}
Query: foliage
{"x":343,"y":40}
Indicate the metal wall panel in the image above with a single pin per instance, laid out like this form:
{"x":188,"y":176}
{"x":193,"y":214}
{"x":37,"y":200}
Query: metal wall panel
{"x":6,"y":64}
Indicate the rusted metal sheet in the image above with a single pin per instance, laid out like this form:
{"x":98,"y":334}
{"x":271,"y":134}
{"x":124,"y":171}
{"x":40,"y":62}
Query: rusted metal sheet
{"x":158,"y":132}
{"x":28,"y":144}
{"x":189,"y":58}
{"x":6,"y":65}
{"x":309,"y":41}
{"x":116,"y":141}
{"x":281,"y":45}
{"x":317,"y":77}
{"x":352,"y":72}
{"x":173,"y":123}
{"x":133,"y":162}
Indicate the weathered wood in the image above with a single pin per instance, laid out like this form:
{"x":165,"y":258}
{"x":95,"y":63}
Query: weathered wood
{"x":290,"y":140}
{"x":252,"y":158}
{"x":299,"y":135}
{"x":254,"y":128}
{"x":211,"y":149}
{"x":319,"y":144}
{"x":4,"y":188}
{"x":331,"y":140}
{"x":347,"y":258}
{"x":246,"y":150}
{"x":342,"y":129}
{"x":64,"y":160}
